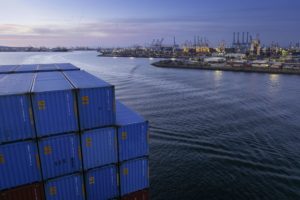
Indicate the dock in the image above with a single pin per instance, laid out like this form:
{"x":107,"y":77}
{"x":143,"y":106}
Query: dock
{"x":185,"y":65}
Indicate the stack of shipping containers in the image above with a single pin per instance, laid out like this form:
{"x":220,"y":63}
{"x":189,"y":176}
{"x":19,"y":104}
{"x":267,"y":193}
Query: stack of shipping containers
{"x":133,"y":147}
{"x":55,"y":114}
{"x":96,"y":110}
{"x":64,"y":136}
{"x":19,"y":158}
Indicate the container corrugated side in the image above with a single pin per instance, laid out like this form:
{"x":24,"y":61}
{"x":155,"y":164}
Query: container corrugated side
{"x":99,"y":147}
{"x":27,"y":192}
{"x":27,"y":68}
{"x":96,"y":100}
{"x":139,"y":195}
{"x":19,"y":164}
{"x":65,"y":188}
{"x":132,"y":133}
{"x":102,"y":183}
{"x":60,"y":155}
{"x":54,"y":104}
{"x":66,"y":67}
{"x":16,"y":114}
{"x":134,"y":176}
{"x":6,"y":69}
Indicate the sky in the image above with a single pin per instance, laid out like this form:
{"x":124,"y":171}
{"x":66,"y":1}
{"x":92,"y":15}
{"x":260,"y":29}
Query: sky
{"x":114,"y":23}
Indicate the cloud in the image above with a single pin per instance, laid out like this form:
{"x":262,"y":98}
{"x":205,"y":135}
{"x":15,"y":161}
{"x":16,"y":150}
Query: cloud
{"x":128,"y":31}
{"x":51,"y":30}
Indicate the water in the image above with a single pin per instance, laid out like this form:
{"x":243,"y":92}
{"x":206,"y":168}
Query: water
{"x":213,"y":135}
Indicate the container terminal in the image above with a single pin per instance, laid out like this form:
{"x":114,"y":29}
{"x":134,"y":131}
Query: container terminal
{"x":63,"y":135}
{"x":246,"y":53}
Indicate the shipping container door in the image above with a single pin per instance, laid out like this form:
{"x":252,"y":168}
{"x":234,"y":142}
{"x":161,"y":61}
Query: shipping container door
{"x":18,"y":164}
{"x":102,"y":183}
{"x":60,"y":155}
{"x":134,"y":176}
{"x":54,"y":104}
{"x":65,"y":188}
{"x":99,"y":147}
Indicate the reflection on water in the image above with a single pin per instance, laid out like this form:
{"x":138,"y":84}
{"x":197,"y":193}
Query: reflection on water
{"x":274,"y":78}
{"x":218,"y":75}
{"x":239,"y":140}
{"x":274,"y":83}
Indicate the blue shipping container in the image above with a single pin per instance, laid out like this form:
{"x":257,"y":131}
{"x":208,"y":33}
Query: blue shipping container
{"x":66,"y":67}
{"x":15,"y":108}
{"x":132,"y":133}
{"x":99,"y":147}
{"x":102,"y":183}
{"x":96,"y":100}
{"x":46,"y":68}
{"x":54,"y":104}
{"x":6,"y":69}
{"x":28,"y":68}
{"x":60,"y":155}
{"x":65,"y":188}
{"x":134,"y":175}
{"x":18,"y":164}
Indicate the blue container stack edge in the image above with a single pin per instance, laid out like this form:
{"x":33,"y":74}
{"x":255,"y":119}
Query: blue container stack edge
{"x":132,"y":133}
{"x":72,"y":134}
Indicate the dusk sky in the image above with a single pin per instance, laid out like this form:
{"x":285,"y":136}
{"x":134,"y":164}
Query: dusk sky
{"x":111,"y":23}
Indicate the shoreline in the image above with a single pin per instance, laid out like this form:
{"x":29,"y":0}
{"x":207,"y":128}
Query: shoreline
{"x":227,"y":68}
{"x":113,"y":56}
